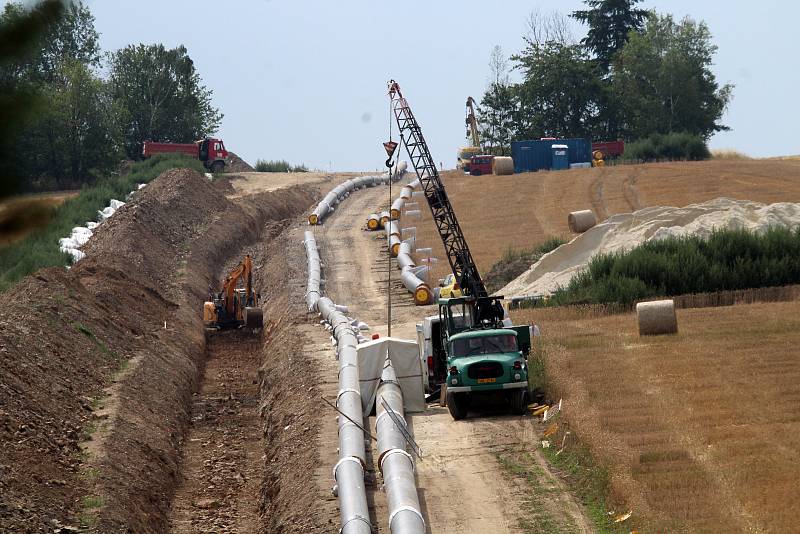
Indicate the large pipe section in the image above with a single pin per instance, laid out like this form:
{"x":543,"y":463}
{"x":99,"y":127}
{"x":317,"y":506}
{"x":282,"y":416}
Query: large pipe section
{"x":409,"y":272}
{"x":396,"y":465}
{"x":343,"y":190}
{"x":349,"y":470}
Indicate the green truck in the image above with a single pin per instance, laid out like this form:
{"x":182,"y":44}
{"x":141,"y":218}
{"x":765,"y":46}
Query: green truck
{"x":478,"y":355}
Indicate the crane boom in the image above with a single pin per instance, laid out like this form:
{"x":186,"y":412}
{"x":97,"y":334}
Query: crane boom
{"x":458,"y":254}
{"x":472,"y":122}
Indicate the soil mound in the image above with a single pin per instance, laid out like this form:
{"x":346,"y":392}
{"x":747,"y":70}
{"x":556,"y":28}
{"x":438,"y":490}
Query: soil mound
{"x":236,"y":164}
{"x":98,"y":363}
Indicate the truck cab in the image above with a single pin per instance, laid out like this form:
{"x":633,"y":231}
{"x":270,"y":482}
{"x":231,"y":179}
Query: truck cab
{"x":481,"y":164}
{"x":213,"y":154}
{"x":475,"y":353}
{"x":485,"y":361}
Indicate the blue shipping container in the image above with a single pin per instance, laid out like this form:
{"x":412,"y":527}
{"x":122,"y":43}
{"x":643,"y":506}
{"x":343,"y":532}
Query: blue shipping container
{"x":530,"y":156}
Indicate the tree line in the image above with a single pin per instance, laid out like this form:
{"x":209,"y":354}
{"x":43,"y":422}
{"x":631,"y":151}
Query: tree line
{"x":71,"y":124}
{"x":635,"y":74}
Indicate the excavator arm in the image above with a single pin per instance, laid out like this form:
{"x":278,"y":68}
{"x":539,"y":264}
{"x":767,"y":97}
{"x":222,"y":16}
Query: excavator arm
{"x":243,"y":270}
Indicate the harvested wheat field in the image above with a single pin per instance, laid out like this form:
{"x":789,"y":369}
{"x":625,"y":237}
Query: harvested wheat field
{"x":523,"y":210}
{"x":700,"y":431}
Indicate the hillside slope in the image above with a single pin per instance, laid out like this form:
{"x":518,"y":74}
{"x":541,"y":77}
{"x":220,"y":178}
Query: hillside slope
{"x":522,"y":210}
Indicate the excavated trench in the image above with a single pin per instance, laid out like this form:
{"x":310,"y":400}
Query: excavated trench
{"x":104,"y":415}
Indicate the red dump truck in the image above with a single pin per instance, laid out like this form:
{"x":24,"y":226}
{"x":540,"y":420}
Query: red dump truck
{"x":610,"y":149}
{"x":210,"y":151}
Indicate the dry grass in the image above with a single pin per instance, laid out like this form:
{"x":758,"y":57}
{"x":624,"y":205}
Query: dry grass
{"x":700,"y":430}
{"x":523,"y":210}
{"x":725,"y":153}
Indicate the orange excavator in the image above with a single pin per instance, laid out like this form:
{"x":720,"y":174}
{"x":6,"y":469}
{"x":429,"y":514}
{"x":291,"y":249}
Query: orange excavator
{"x":235,"y":307}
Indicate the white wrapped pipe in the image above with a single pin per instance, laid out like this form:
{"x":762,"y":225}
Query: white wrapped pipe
{"x":397,"y":208}
{"x":396,"y":465}
{"x":313,"y":292}
{"x":406,"y":192}
{"x":411,"y":242}
{"x":394,"y":228}
{"x":418,"y":288}
{"x":349,"y":470}
{"x":373,"y":222}
{"x":385,"y":217}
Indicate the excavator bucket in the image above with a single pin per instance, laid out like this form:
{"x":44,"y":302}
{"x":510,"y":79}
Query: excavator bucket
{"x":253,"y":318}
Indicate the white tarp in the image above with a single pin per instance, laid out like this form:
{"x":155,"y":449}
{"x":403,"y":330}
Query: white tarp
{"x":404,"y":356}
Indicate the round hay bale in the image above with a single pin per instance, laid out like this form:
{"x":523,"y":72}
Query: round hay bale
{"x":502,"y":166}
{"x":580,"y":221}
{"x":657,"y":317}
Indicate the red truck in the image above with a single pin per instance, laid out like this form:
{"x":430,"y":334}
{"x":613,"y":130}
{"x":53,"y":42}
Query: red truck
{"x":481,"y":164}
{"x":610,"y":149}
{"x":210,"y":151}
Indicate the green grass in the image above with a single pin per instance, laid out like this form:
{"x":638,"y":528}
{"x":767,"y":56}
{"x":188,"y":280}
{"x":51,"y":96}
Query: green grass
{"x":589,"y":481}
{"x":278,"y":166}
{"x":40,"y":248}
{"x":536,"y":518}
{"x":727,"y":260}
{"x":514,"y":262}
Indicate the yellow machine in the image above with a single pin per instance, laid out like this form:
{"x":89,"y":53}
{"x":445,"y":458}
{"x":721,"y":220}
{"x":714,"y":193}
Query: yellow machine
{"x":465,"y":153}
{"x":235,"y":307}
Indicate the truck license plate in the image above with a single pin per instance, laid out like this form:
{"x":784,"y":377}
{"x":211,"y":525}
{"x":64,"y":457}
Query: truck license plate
{"x":487,"y":380}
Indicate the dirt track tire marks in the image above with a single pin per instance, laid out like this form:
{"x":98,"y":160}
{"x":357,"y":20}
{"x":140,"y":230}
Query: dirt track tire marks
{"x":598,"y":201}
{"x":630,"y":190}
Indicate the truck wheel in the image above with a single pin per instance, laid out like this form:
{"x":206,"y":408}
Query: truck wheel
{"x":519,"y":401}
{"x":218,"y":166}
{"x":475,"y":173}
{"x":457,"y":404}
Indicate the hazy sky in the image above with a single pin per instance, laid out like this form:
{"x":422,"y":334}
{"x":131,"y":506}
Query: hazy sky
{"x":305,"y":80}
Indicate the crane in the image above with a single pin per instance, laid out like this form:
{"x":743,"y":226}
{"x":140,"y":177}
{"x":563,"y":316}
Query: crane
{"x":487,"y":310}
{"x":235,"y":306}
{"x":465,"y":153}
{"x":472,"y":122}
{"x":475,"y":320}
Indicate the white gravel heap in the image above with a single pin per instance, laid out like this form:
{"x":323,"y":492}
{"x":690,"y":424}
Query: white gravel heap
{"x":628,"y":230}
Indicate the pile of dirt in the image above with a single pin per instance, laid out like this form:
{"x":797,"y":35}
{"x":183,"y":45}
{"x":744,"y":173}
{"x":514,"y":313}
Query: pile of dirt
{"x":236,"y":164}
{"x":99,"y":362}
{"x":627,"y":230}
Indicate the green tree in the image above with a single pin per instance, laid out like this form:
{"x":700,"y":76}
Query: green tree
{"x":161,"y":96}
{"x":20,"y":35}
{"x":71,"y":37}
{"x":76,"y":135}
{"x":610,"y":24}
{"x":498,"y":105}
{"x":663,"y":76}
{"x":559,"y":93}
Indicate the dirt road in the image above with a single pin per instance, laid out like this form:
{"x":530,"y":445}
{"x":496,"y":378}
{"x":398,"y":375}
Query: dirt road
{"x":462,"y":486}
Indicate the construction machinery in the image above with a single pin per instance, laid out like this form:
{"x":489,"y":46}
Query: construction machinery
{"x":237,"y":304}
{"x":466,"y":153}
{"x":210,"y":151}
{"x":480,"y":353}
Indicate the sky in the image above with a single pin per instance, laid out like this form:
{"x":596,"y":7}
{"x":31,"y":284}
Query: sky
{"x":305,"y":80}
